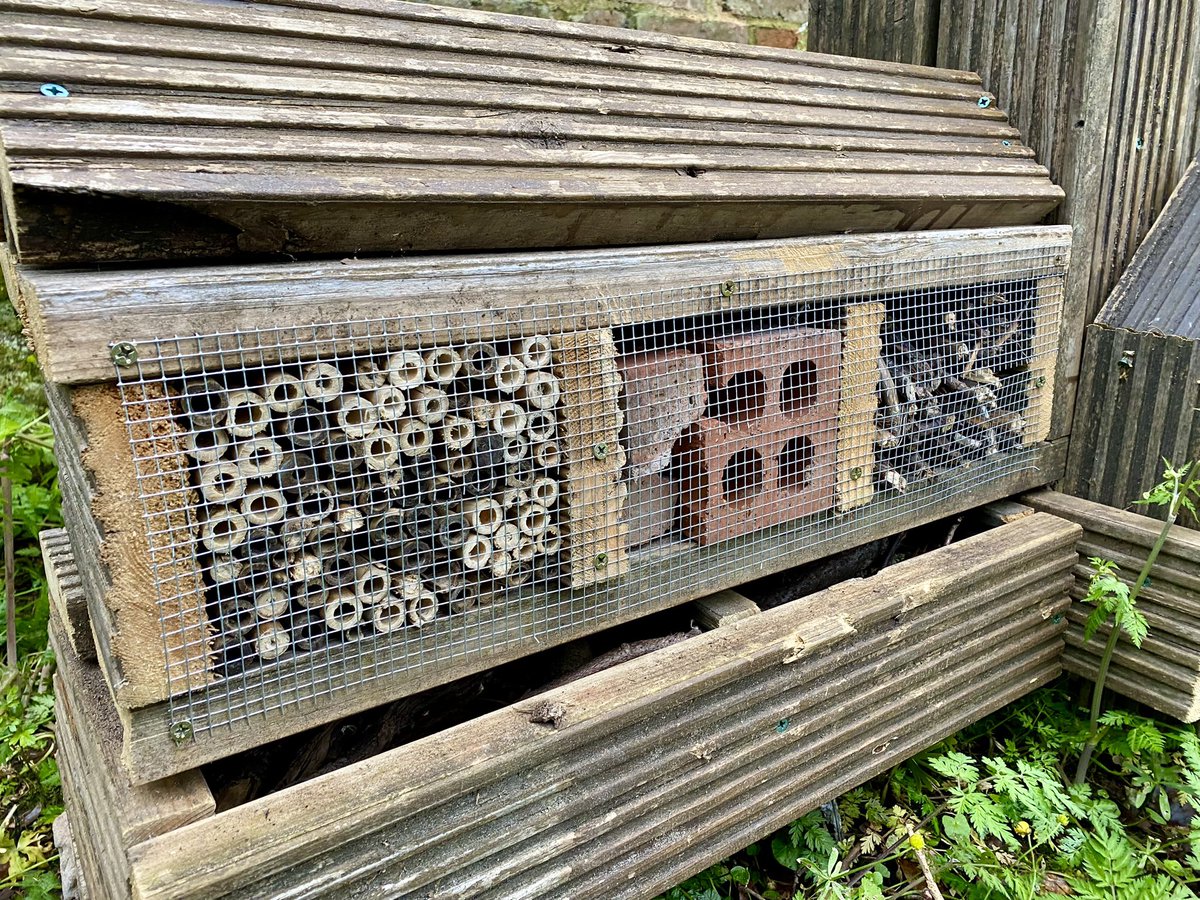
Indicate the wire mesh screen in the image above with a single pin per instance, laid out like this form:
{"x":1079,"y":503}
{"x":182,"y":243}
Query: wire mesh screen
{"x":333,"y":503}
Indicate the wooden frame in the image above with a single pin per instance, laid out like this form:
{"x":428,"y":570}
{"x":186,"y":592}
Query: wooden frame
{"x":762,"y":719}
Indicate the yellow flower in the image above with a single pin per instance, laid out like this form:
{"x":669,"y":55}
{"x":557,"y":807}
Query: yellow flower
{"x":1022,"y":828}
{"x":916,"y":841}
{"x":1063,"y":820}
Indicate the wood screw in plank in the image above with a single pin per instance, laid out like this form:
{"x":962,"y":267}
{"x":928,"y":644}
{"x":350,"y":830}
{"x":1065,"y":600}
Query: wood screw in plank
{"x":727,"y":289}
{"x":600,"y":451}
{"x":181,"y":732}
{"x":54,"y":90}
{"x":985,"y":102}
{"x":124,"y":353}
{"x":601,"y":561}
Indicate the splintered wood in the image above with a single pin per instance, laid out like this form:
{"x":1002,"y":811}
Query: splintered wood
{"x":593,"y":456}
{"x":861,"y":347}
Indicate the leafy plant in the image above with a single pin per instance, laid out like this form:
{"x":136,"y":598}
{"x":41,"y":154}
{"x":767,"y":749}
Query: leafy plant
{"x":1116,"y":602}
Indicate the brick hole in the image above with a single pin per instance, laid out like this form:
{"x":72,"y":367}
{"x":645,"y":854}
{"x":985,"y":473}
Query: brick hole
{"x":743,"y":399}
{"x":743,"y":477}
{"x":795,"y":464}
{"x":798,"y":388}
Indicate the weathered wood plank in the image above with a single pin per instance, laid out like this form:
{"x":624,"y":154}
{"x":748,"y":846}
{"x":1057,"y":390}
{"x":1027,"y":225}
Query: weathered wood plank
{"x":861,"y":346}
{"x":723,"y":608}
{"x":74,"y":317}
{"x":65,"y":588}
{"x":300,"y":834}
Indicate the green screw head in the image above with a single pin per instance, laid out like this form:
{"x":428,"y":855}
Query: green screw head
{"x":600,"y":450}
{"x":124,"y":353}
{"x":727,"y":289}
{"x":1040,"y":381}
{"x":1126,"y":360}
{"x":601,"y":561}
{"x":856,"y":473}
{"x":1057,"y":618}
{"x":181,"y":732}
{"x":985,"y":102}
{"x":56,"y":91}
{"x":783,"y":725}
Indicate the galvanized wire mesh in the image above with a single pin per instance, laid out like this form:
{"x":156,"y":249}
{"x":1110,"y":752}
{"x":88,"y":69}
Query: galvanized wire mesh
{"x":332,"y":503}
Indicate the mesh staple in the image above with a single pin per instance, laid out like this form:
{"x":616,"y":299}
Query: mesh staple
{"x":335,"y":503}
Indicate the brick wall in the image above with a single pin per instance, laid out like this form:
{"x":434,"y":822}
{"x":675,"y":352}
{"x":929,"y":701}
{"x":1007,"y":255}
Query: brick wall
{"x":772,"y":23}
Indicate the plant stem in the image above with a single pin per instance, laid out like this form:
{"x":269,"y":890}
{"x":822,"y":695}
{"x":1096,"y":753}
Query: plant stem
{"x":10,"y":566}
{"x":1085,"y":757}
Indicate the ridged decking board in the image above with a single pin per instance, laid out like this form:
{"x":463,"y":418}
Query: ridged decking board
{"x":1164,"y":673}
{"x":644,"y":774}
{"x":1141,"y":364}
{"x":285,"y":129}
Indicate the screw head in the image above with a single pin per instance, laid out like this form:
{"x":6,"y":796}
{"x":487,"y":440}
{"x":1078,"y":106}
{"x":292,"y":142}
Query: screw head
{"x":57,"y":91}
{"x":181,"y":731}
{"x":783,"y":725}
{"x":1057,"y":618}
{"x":600,"y":450}
{"x":124,"y":353}
{"x":1040,"y":381}
{"x":727,"y":289}
{"x":856,"y":473}
{"x":601,"y":561}
{"x":984,"y":102}
{"x":1006,"y":143}
{"x":1126,"y":359}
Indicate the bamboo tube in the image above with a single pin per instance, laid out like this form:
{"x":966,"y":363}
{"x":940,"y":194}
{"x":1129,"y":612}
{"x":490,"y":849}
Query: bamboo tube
{"x":381,"y":450}
{"x":457,"y":432}
{"x":349,"y":519}
{"x":422,"y":609}
{"x":391,"y":402}
{"x":540,"y":391}
{"x":516,"y":448}
{"x":340,"y":456}
{"x":442,"y":364}
{"x":456,"y":465}
{"x":520,"y":476}
{"x":307,"y":427}
{"x":372,"y":583}
{"x":455,"y":592}
{"x":508,"y":419}
{"x":368,"y":376}
{"x":259,"y":458}
{"x":246,"y":413}
{"x":342,"y":610}
{"x":388,"y":528}
{"x":416,"y":438}
{"x":509,"y":375}
{"x":547,"y":455}
{"x":429,"y":404}
{"x":506,"y":537}
{"x":236,"y":615}
{"x":305,"y":567}
{"x":476,"y":552}
{"x":533,"y":519}
{"x":550,"y":541}
{"x":544,"y":491}
{"x":355,"y":416}
{"x":297,"y":470}
{"x":206,"y":445}
{"x":541,"y":426}
{"x":270,"y":602}
{"x":322,"y":382}
{"x":479,"y":360}
{"x":284,"y":393}
{"x":222,"y":482}
{"x":501,"y":564}
{"x":536,"y":352}
{"x":526,"y":549}
{"x":483,"y":514}
{"x":271,"y":640}
{"x":205,"y":402}
{"x":513,"y":497}
{"x":311,"y":595}
{"x":482,"y":411}
{"x":224,"y":529}
{"x":316,"y":502}
{"x":390,"y":614}
{"x":406,"y":369}
{"x":226,"y":569}
{"x":263,"y":505}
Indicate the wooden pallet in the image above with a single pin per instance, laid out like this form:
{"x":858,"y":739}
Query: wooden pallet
{"x":106,"y":517}
{"x":617,"y":785}
{"x":290,"y":129}
{"x":1164,"y":673}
